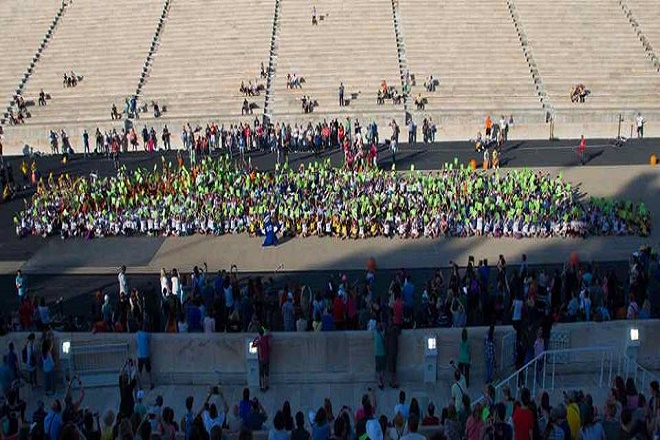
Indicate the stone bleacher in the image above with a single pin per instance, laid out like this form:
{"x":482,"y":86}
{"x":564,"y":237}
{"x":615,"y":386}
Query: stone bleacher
{"x":108,"y":56}
{"x":647,"y":15}
{"x":474,"y":51}
{"x":207,"y":48}
{"x":353,"y":43}
{"x":23,"y":24}
{"x":589,"y":42}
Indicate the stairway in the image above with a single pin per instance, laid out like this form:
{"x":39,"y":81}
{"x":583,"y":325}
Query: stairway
{"x":401,"y":51}
{"x":42,"y":46}
{"x":155,"y":41}
{"x":272,"y":63}
{"x":529,"y":56}
{"x":646,"y":44}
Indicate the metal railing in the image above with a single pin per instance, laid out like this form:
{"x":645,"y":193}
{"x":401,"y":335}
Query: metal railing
{"x":96,"y":365}
{"x":545,"y":368}
{"x":559,"y":340}
{"x":628,"y":367}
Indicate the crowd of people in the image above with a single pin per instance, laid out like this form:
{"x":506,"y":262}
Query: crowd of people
{"x":215,"y":197}
{"x":626,"y":413}
{"x":71,"y":79}
{"x":478,"y":294}
{"x":518,"y":295}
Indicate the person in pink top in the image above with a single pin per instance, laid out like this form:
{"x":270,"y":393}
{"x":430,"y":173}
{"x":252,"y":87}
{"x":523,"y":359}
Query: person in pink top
{"x":397,"y":313}
{"x":262,"y":344}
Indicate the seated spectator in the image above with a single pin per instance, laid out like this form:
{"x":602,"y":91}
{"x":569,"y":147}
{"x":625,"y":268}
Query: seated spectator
{"x":430,"y":84}
{"x":420,"y":101}
{"x":114,"y":114}
{"x":579,"y":93}
{"x":396,"y":98}
{"x":380,"y":99}
{"x":246,"y":109}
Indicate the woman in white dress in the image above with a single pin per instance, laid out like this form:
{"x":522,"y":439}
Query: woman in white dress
{"x":176,"y":285}
{"x":164,"y":283}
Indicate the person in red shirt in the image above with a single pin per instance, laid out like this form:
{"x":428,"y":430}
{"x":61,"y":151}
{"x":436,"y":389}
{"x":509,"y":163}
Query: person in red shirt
{"x":523,"y":418}
{"x":339,"y":312}
{"x":262,"y":344}
{"x":582,"y":148}
{"x":25,"y":312}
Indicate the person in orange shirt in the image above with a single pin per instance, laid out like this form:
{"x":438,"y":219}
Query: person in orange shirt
{"x":489,"y":125}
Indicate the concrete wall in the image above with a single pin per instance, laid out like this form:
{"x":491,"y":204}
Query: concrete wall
{"x":344,"y":357}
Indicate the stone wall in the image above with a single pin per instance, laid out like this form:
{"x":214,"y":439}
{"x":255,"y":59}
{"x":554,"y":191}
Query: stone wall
{"x":345,"y":357}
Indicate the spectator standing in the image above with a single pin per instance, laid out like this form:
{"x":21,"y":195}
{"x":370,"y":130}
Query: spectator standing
{"x":321,"y":429}
{"x":31,"y":360}
{"x":143,"y":339}
{"x":591,"y":428}
{"x":188,"y":418}
{"x":500,"y":429}
{"x":21,"y":286}
{"x":127,"y":384}
{"x":413,"y":425}
{"x":465,"y":356}
{"x":210,"y":414}
{"x":262,"y":343}
{"x":430,"y":419}
{"x":85,"y":138}
{"x":573,"y":414}
{"x":458,"y":389}
{"x":474,"y":424}
{"x":256,"y":417}
{"x":408,"y":293}
{"x":289,"y":314}
{"x":401,"y":407}
{"x":394,"y":140}
{"x":341,"y":95}
{"x":278,"y":431}
{"x":523,"y":418}
{"x":48,"y":365}
{"x":244,"y":405}
{"x":489,"y":355}
{"x":53,"y":421}
{"x":123,"y":284}
{"x":379,"y":354}
{"x":300,"y":433}
{"x":582,"y":147}
{"x":539,"y":348}
{"x":392,"y":351}
{"x":639,"y":121}
{"x":12,"y":361}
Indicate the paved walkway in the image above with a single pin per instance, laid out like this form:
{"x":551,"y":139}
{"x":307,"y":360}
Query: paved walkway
{"x":148,"y":255}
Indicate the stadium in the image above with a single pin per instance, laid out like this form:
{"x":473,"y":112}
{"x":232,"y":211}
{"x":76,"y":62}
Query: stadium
{"x":367,"y":219}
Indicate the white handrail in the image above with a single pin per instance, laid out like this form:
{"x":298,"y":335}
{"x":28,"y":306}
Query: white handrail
{"x":607,"y":354}
{"x":640,"y":375}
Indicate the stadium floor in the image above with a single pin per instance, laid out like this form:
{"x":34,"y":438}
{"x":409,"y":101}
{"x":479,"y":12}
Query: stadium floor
{"x":50,"y":257}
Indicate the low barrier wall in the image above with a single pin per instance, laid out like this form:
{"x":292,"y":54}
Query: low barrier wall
{"x":341,"y":357}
